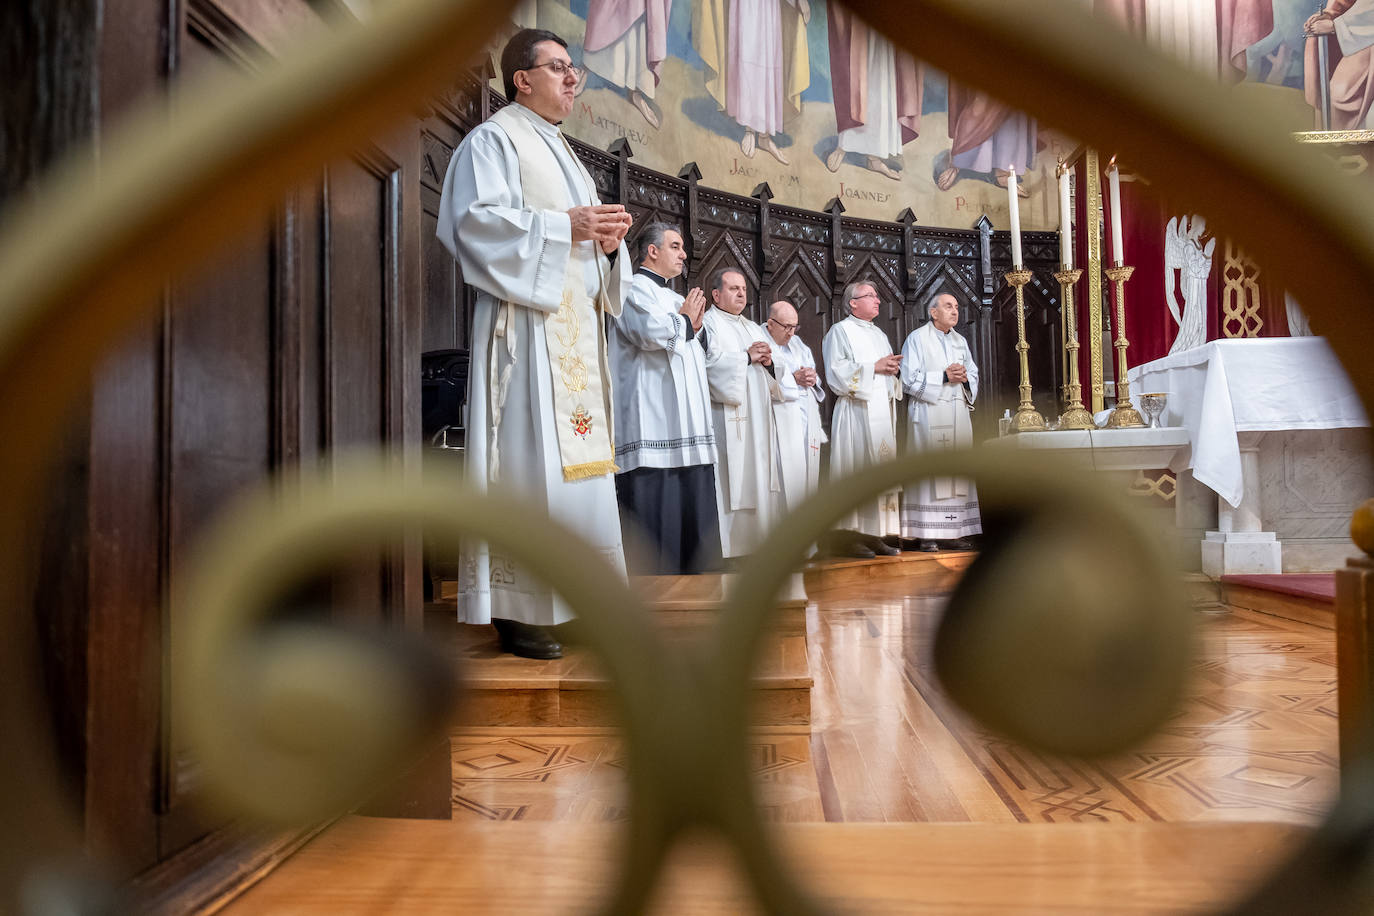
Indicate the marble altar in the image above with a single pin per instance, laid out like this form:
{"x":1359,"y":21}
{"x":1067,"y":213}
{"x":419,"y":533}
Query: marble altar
{"x":1278,"y":435}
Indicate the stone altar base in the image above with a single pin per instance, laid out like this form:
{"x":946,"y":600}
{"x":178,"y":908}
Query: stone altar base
{"x":1227,"y":553}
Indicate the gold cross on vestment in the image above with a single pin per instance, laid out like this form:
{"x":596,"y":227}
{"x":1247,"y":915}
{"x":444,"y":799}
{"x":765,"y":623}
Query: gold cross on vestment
{"x":944,"y":439}
{"x":737,"y":418}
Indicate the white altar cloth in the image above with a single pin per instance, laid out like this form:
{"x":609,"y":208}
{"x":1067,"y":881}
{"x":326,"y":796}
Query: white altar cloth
{"x":1227,"y":387}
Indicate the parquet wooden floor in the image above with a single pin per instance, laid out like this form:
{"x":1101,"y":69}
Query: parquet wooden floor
{"x":1254,"y":741}
{"x":1183,"y":823}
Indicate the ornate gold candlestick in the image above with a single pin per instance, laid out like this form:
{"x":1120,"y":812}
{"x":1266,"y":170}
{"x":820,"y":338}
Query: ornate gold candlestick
{"x":1075,"y":415}
{"x":1124,"y":416}
{"x":1027,"y":419}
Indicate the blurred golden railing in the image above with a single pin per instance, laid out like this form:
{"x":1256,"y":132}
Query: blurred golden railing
{"x":84,"y":262}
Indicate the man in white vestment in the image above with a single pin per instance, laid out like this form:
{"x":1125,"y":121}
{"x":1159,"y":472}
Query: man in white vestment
{"x":665,"y":447}
{"x":739,"y":360}
{"x":861,"y":369}
{"x":939,"y":374}
{"x":798,"y":414}
{"x":521,"y":215}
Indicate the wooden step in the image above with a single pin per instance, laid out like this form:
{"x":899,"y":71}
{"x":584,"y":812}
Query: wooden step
{"x":502,"y":690}
{"x":691,"y":602}
{"x":931,"y":571}
{"x":1302,"y":597}
{"x":374,"y":865}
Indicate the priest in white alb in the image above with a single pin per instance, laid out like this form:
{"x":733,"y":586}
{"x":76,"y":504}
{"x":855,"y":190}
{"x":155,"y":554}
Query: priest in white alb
{"x":798,"y":415}
{"x":941,"y":380}
{"x":665,"y":446}
{"x":739,"y":362}
{"x":521,"y":215}
{"x":861,"y":370}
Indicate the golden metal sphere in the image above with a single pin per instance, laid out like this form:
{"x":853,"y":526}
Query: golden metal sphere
{"x":1362,"y":527}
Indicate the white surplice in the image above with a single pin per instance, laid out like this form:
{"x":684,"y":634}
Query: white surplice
{"x":863,"y":429}
{"x":662,"y":404}
{"x":748,"y":480}
{"x":515,"y":254}
{"x":942,"y":508}
{"x":798,"y":415}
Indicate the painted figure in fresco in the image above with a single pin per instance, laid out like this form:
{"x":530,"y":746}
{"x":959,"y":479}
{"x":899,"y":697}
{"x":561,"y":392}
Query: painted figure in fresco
{"x":757,"y":63}
{"x":877,"y":93}
{"x":1351,"y":61}
{"x":1188,"y":263}
{"x":1211,"y":38}
{"x":986,"y":137}
{"x":626,"y":43}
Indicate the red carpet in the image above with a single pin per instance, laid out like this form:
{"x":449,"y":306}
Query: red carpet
{"x":1316,"y":586}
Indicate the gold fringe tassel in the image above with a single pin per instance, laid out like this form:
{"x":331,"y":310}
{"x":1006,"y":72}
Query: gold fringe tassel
{"x":590,"y":469}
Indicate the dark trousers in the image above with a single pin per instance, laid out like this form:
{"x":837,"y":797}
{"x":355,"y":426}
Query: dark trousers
{"x":669,"y":521}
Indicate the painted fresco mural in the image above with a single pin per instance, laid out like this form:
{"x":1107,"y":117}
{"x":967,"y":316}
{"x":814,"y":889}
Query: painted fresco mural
{"x":802,"y":95}
{"x":774,"y":91}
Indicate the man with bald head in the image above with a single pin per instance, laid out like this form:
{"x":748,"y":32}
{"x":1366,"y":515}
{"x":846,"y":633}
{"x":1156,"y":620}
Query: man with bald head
{"x":798,"y":414}
{"x":939,"y":374}
{"x":739,"y":364}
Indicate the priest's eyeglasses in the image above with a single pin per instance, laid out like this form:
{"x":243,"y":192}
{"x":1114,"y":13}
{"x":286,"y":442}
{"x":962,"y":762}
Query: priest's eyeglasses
{"x":785,"y":327}
{"x":559,"y":69}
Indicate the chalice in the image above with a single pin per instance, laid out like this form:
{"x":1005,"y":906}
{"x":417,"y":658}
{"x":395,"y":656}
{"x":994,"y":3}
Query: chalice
{"x":1153,"y":405}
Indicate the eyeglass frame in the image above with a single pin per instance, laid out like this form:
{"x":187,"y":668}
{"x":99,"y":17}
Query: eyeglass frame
{"x":554,"y":66}
{"x":785,"y":327}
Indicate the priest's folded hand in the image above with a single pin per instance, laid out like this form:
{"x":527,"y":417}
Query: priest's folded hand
{"x":602,"y":223}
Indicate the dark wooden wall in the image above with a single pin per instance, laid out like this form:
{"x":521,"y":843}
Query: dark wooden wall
{"x":301,"y":338}
{"x":306,"y":336}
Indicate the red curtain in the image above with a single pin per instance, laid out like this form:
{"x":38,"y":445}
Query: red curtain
{"x":1149,"y":326}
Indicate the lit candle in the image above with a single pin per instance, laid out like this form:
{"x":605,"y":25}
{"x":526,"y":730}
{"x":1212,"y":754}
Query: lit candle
{"x":1114,"y":181}
{"x":1015,"y":209}
{"x":1065,"y":222}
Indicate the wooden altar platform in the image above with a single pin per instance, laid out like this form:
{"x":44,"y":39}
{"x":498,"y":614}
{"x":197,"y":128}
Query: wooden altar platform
{"x":1304,"y":597}
{"x":502,"y":690}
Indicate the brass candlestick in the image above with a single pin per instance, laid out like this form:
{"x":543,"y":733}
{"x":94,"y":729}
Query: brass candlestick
{"x":1075,"y":415}
{"x":1124,"y":416}
{"x":1027,"y":418}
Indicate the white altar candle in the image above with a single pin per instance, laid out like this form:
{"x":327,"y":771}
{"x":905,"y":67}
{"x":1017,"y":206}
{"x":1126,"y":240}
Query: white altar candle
{"x":1114,"y":182}
{"x":1065,"y":223}
{"x":1015,"y":209}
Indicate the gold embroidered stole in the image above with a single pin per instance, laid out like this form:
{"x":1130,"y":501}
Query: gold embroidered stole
{"x":574,"y":336}
{"x":947,"y":421}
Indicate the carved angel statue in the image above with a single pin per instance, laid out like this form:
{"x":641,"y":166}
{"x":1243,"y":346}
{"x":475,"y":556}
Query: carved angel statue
{"x":1185,"y":253}
{"x":1298,"y":325}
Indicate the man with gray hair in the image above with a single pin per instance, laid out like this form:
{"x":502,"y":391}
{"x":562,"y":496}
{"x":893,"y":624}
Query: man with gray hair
{"x":665,"y":447}
{"x":861,"y":369}
{"x":939,"y":374}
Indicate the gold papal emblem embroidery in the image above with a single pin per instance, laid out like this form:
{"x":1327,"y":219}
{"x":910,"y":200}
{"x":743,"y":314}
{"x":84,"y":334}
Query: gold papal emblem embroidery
{"x":581,"y":422}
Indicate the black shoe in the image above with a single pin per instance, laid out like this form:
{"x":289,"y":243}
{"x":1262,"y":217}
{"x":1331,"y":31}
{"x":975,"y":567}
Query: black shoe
{"x":883,"y":549}
{"x":527,"y":640}
{"x":859,"y":551}
{"x":929,"y":546}
{"x":911,"y":543}
{"x":958,"y":544}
